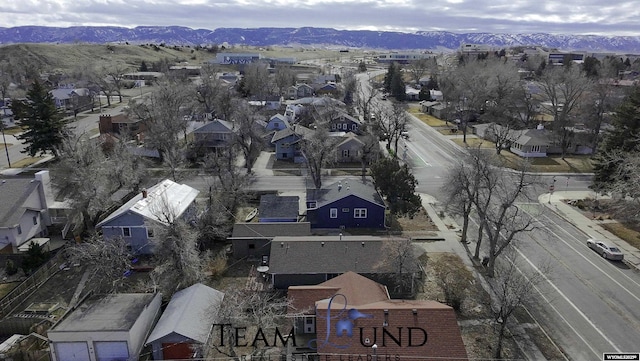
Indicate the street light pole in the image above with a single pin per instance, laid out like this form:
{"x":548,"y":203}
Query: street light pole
{"x":375,"y":355}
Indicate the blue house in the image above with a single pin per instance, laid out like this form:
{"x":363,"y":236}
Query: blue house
{"x":275,"y":208}
{"x":287,"y":143}
{"x":351,"y":203}
{"x":137,"y":220}
{"x":343,"y":122}
{"x":277,"y":122}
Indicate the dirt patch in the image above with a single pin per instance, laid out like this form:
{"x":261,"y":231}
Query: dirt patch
{"x":604,"y":210}
{"x":419,"y":222}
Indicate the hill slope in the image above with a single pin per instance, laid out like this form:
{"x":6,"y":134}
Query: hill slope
{"x":310,"y":36}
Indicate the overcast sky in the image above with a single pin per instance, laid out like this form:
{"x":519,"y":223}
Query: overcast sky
{"x":599,"y":17}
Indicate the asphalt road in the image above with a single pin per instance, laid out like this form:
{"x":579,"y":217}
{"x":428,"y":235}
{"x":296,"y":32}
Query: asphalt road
{"x":588,"y":305}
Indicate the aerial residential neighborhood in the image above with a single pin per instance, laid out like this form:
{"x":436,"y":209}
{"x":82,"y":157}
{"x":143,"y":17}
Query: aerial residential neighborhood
{"x":303,"y":205}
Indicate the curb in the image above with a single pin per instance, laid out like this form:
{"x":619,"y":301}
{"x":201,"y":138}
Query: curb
{"x":596,"y":229}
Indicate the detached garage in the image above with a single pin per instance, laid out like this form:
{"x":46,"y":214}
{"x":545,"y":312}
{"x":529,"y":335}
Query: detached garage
{"x":186,"y":323}
{"x":105,"y":328}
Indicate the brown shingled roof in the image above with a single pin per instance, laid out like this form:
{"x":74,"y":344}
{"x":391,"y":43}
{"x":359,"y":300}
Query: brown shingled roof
{"x":358,"y":290}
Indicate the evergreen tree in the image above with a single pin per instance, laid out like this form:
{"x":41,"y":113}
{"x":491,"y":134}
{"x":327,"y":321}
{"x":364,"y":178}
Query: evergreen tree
{"x":398,"y":90}
{"x":424,"y":94}
{"x":362,"y":67}
{"x":46,"y":128}
{"x":622,"y":139}
{"x":388,"y":76}
{"x":591,"y":66}
{"x":396,"y":183}
{"x":143,"y":66}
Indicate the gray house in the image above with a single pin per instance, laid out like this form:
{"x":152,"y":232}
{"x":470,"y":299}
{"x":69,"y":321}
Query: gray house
{"x":275,"y":208}
{"x":253,"y":240}
{"x":299,"y":261}
{"x":137,"y":220}
{"x":111,"y":327}
{"x":185,"y":324}
{"x":216,"y":134}
{"x":24,"y":210}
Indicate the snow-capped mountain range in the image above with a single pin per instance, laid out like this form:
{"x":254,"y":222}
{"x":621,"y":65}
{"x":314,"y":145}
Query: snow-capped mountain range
{"x":308,"y":36}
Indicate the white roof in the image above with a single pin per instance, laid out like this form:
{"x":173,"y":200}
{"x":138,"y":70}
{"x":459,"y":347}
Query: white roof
{"x":165,"y":202}
{"x":190,"y":313}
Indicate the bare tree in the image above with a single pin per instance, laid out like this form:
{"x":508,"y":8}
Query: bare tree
{"x":400,"y":260}
{"x":369,"y":152}
{"x":256,"y":80}
{"x":253,"y":312}
{"x":396,"y":122}
{"x":163,"y":115}
{"x":284,"y":78}
{"x":106,"y":262}
{"x":229,"y":180}
{"x":115,"y":75}
{"x":213,"y":96}
{"x":500,"y":216}
{"x":176,"y":250}
{"x":418,"y":68}
{"x":87,"y":176}
{"x":365,"y":95}
{"x":248,"y":136}
{"x":317,"y":149}
{"x":463,"y":184}
{"x":563,"y":90}
{"x":6,"y":77}
{"x":512,"y":287}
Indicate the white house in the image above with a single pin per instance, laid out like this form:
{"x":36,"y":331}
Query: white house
{"x":111,"y":327}
{"x":160,"y":205}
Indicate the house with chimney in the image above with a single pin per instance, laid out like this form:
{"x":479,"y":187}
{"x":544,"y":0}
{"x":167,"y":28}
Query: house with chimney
{"x":137,"y":220}
{"x":27,"y":208}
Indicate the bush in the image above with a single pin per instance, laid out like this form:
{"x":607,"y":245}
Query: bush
{"x":454,"y":278}
{"x":217,"y":265}
{"x":10,"y":268}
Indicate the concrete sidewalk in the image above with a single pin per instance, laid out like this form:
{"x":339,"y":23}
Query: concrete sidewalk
{"x":591,"y":227}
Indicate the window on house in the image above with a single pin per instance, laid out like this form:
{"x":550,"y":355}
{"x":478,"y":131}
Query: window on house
{"x":309,"y":321}
{"x":535,"y":148}
{"x":149,"y":232}
{"x":19,"y":230}
{"x":333,"y":212}
{"x":333,"y":126}
{"x":345,"y":152}
{"x":126,"y":232}
{"x":354,"y":127}
{"x":35,"y":220}
{"x":345,"y":210}
{"x":359,"y":213}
